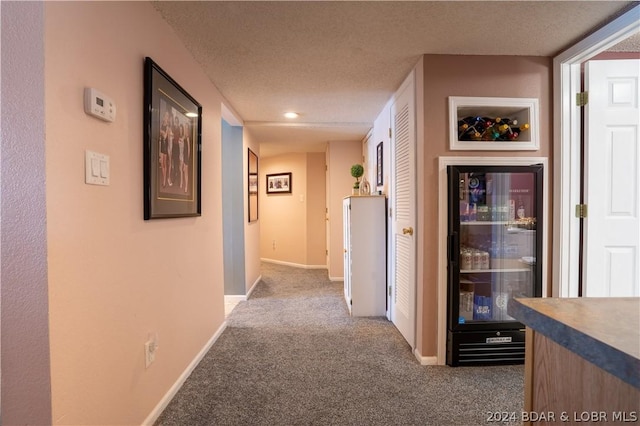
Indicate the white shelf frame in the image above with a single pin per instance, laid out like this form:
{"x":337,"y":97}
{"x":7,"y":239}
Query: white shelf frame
{"x":482,"y":106}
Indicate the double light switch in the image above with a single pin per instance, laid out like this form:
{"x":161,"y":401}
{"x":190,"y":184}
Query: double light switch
{"x":96,"y":168}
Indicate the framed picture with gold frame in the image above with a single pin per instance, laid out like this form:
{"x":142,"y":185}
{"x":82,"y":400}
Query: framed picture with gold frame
{"x":172,"y":146}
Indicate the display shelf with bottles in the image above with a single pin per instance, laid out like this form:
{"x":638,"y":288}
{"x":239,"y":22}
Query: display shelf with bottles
{"x":500,"y":124}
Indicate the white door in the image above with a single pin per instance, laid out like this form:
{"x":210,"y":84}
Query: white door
{"x":403,"y":212}
{"x":346,"y":233}
{"x":327,"y":203}
{"x":612,"y":179}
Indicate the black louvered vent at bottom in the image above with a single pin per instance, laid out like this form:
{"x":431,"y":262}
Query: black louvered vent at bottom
{"x":487,"y":352}
{"x":485,"y":347}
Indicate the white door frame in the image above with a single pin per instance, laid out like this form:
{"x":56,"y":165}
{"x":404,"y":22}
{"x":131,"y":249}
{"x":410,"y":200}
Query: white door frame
{"x":567,"y":133}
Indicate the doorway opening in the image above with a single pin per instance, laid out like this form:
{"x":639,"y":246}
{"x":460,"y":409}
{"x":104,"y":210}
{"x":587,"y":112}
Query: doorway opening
{"x":567,"y":150}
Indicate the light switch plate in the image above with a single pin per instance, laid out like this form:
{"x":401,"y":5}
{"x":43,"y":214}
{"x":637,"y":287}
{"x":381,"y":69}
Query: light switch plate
{"x":96,"y":168}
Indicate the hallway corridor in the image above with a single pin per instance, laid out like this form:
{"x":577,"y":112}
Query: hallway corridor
{"x":292,"y":355}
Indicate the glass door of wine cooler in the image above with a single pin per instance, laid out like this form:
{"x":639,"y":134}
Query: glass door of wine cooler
{"x":494,"y":243}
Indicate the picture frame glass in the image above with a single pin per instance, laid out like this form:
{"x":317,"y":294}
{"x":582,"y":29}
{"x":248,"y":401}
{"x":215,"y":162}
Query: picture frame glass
{"x":379,"y":165}
{"x":172,"y":147}
{"x":252,"y":179}
{"x":279,"y":183}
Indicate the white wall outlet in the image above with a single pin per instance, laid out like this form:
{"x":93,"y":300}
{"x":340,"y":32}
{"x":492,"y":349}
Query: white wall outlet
{"x":150,"y":348}
{"x":149,"y":355}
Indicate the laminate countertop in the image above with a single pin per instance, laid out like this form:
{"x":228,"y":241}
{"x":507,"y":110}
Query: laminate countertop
{"x":604,"y":331}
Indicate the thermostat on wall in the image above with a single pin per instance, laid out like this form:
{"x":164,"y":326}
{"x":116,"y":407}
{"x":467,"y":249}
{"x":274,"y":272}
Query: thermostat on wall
{"x":99,"y":105}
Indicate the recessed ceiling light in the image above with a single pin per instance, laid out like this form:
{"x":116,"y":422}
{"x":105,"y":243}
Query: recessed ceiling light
{"x":291,"y":114}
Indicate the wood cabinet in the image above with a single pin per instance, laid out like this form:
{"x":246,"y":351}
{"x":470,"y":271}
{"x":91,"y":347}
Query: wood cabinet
{"x":365,"y":259}
{"x":582,"y":359}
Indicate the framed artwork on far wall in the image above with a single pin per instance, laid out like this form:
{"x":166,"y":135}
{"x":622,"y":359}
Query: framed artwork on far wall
{"x":172,"y":145}
{"x":253,"y":185}
{"x":379,"y":170}
{"x":279,"y":183}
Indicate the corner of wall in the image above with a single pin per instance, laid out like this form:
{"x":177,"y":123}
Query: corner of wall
{"x":23,"y":253}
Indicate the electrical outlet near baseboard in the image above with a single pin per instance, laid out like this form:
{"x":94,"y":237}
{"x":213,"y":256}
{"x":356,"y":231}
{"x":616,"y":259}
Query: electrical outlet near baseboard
{"x":150,"y":348}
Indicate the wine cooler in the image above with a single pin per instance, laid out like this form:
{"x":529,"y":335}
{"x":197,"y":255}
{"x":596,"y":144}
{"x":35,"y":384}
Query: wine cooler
{"x":494,"y":255}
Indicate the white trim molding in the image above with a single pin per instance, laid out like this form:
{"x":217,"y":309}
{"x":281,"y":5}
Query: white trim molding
{"x":425,"y":360}
{"x":567,"y":135}
{"x":234,"y":298}
{"x":166,"y":399}
{"x":295,"y":265}
{"x":253,"y":287}
{"x":443,"y":162}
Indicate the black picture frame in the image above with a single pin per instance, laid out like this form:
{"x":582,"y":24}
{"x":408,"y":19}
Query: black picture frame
{"x":172,"y":164}
{"x":279,"y":183}
{"x":252,"y":182}
{"x":379,"y":170}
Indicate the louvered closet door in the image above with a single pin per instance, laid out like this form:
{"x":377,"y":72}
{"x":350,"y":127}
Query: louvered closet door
{"x":403,"y":203}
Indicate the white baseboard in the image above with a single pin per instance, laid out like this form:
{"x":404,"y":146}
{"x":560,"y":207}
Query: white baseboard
{"x":253,"y":287}
{"x":295,"y":265}
{"x":425,"y":360}
{"x":166,"y":399}
{"x":336,"y":278}
{"x":234,"y":298}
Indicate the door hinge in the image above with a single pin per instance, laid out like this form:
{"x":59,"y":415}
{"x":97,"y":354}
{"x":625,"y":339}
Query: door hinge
{"x":389,"y":292}
{"x":326,"y":252}
{"x":390,"y":212}
{"x":581,"y":211}
{"x":582,"y":98}
{"x":389,"y":132}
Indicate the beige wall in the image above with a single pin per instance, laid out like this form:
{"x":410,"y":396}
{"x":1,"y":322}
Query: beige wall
{"x":26,"y":378}
{"x":341,"y":156}
{"x":113,"y":277}
{"x":295,"y":221}
{"x":437,"y":78}
{"x":251,"y":230}
{"x":491,"y":76}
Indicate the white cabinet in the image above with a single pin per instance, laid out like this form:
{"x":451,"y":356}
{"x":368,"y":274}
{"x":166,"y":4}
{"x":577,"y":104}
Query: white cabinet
{"x":365,"y":255}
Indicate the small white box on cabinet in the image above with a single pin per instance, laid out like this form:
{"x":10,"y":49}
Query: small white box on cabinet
{"x":365,"y":255}
{"x":523,"y":110}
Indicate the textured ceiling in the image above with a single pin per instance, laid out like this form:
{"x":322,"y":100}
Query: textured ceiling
{"x":337,"y":63}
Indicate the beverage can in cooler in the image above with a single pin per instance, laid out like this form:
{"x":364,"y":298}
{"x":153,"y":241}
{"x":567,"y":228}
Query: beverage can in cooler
{"x":485,"y":260}
{"x":466,"y":261}
{"x":477,"y":260}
